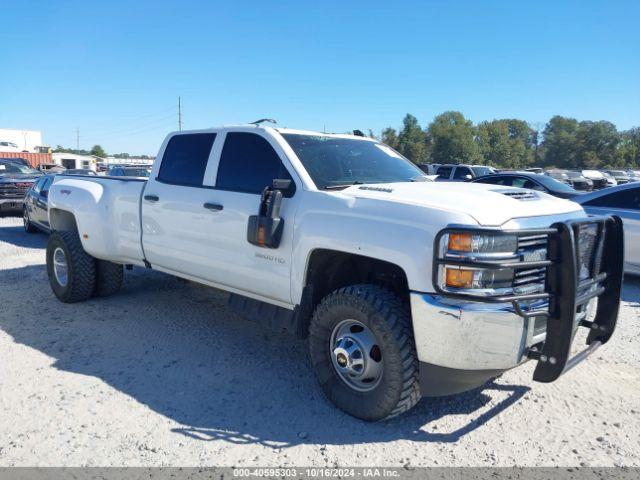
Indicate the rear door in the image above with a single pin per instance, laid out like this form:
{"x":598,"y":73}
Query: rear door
{"x":177,"y":228}
{"x":42,"y":203}
{"x":32,"y":197}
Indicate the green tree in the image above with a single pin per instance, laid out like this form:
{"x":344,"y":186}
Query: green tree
{"x":453,"y":139}
{"x":597,"y":144}
{"x":560,"y":142}
{"x":629,"y":148}
{"x":508,"y":143}
{"x":98,"y":151}
{"x":412,"y":140}
{"x":390,"y":137}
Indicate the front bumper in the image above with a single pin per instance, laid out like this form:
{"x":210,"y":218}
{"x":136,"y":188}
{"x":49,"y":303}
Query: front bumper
{"x":463,"y":340}
{"x":461,"y":345}
{"x":11,"y":203}
{"x":471,"y":335}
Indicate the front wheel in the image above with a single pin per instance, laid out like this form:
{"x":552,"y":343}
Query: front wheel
{"x":71,"y":270}
{"x":363,"y":353}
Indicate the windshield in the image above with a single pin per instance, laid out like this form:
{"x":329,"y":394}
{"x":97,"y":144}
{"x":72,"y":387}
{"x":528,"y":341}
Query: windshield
{"x":339,"y":162}
{"x":553,"y":184}
{"x":574,"y":174}
{"x":482,"y":171}
{"x":16,"y":168}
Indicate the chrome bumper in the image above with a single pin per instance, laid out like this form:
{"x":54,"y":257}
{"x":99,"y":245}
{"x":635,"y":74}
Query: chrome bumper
{"x":467,"y":335}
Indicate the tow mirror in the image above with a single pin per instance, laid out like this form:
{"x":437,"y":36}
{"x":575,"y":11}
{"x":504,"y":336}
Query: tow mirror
{"x":265,"y":229}
{"x":468,"y":177}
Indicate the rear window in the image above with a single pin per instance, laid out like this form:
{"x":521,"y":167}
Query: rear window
{"x":461,"y":173}
{"x":444,"y":172}
{"x":185,"y":159}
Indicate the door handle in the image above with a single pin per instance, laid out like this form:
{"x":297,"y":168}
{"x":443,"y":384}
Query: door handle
{"x":152,"y":198}
{"x":216,"y":207}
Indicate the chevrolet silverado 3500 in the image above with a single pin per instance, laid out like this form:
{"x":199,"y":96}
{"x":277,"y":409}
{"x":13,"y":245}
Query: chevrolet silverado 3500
{"x":403,"y":287}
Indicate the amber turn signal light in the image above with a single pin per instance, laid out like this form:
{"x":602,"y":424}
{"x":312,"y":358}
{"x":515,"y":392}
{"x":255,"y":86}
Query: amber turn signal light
{"x":459,"y":278}
{"x":460,"y":242}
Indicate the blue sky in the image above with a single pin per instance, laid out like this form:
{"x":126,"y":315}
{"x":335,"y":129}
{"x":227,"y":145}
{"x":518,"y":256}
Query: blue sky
{"x":115,"y":69}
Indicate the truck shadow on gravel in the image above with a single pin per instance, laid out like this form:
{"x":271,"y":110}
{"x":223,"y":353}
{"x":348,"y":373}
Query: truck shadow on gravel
{"x":175,"y":347}
{"x":631,"y":290}
{"x":15,"y":235}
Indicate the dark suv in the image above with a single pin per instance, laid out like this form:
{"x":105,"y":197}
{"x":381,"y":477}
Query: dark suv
{"x":15,"y":180}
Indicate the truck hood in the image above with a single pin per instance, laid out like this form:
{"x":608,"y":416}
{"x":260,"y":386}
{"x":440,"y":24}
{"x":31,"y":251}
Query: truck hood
{"x":490,"y":205}
{"x":18,"y":178}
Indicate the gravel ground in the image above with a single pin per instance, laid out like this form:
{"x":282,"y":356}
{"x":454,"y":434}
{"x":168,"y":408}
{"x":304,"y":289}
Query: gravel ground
{"x":164,"y":374}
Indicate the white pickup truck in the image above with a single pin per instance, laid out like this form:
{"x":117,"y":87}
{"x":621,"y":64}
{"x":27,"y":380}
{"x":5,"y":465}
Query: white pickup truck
{"x":404,"y":287}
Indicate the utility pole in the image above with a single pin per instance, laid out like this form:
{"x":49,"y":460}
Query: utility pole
{"x":77,"y":138}
{"x":179,"y":114}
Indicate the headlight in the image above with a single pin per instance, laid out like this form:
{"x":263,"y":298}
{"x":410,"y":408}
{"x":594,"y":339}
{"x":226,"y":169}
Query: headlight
{"x":465,"y":244}
{"x":462,"y":246}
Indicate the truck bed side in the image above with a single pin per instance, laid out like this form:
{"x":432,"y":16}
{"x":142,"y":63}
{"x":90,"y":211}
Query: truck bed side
{"x":106,"y":212}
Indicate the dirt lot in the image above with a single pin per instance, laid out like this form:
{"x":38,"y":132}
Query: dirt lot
{"x":164,"y":374}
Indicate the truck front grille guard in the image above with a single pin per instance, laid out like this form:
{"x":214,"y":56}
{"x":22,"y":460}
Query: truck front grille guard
{"x":566,"y":290}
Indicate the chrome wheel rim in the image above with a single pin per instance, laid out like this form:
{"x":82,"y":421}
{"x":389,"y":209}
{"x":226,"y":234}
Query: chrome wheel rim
{"x":356,"y":355}
{"x":60,"y":267}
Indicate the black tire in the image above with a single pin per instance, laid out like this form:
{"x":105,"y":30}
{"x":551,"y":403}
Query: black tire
{"x":109,"y":277}
{"x":388,"y":318}
{"x":26,"y":220}
{"x":81,"y":268}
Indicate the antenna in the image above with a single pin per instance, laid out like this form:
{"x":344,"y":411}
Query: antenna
{"x":262,"y":120}
{"x":179,"y":114}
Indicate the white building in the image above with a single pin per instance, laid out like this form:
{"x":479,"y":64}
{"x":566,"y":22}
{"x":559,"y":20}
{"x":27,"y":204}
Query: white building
{"x":73,"y":161}
{"x":26,"y":140}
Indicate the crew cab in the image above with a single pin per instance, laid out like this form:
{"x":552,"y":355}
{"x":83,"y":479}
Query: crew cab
{"x":403,"y":287}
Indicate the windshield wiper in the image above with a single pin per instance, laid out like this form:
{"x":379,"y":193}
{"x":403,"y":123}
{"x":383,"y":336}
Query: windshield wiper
{"x":343,"y":185}
{"x":419,"y":178}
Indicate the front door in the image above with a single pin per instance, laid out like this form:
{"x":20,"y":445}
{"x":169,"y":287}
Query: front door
{"x":247,"y":164}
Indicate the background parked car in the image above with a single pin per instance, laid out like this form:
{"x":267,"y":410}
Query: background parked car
{"x":50,"y":168}
{"x":624,"y":201}
{"x":129,"y":172}
{"x":620,"y":176}
{"x":611,"y":182}
{"x":15,"y":180}
{"x":462,"y":173}
{"x":35,"y":213}
{"x":596,"y":177}
{"x":532,"y":181}
{"x":6,"y":146}
{"x":579,"y":182}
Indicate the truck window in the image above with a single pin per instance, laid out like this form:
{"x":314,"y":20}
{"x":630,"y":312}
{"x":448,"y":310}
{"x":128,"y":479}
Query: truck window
{"x":461,"y":173}
{"x":248,"y":163}
{"x":444,"y":172}
{"x":185,"y":159}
